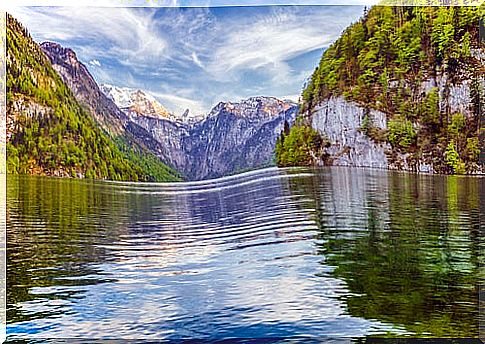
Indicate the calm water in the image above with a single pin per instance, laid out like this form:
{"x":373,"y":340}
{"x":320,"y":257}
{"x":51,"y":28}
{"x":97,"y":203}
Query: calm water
{"x":276,"y":253}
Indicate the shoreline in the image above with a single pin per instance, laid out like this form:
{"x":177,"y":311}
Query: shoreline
{"x":247,"y":174}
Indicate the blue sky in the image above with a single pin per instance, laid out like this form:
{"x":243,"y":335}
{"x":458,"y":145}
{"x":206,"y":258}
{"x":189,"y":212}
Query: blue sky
{"x":195,"y":57}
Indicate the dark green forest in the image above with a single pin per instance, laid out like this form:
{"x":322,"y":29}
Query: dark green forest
{"x":381,"y":62}
{"x":49,"y":133}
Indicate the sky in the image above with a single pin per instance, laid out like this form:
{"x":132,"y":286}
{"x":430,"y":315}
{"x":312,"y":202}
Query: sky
{"x":193,"y":58}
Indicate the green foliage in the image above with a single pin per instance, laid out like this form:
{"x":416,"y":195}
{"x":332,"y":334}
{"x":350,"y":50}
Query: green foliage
{"x":462,"y":152}
{"x":53,"y":134}
{"x":465,"y":45}
{"x":149,"y":164}
{"x":299,"y":147}
{"x":443,"y":31}
{"x":472,"y":150}
{"x":401,"y":132}
{"x":391,"y":43}
{"x":430,"y":112}
{"x":453,"y":159}
{"x":366,"y":124}
{"x":458,"y":123}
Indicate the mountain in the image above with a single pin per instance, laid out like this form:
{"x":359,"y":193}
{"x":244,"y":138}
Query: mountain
{"x":136,"y":102}
{"x":84,"y":87}
{"x":233,"y":137}
{"x":106,"y":113}
{"x":400,"y":89}
{"x":50,"y":133}
{"x":238,"y":136}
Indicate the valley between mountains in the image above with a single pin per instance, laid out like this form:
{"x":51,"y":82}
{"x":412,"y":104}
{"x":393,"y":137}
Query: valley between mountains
{"x":400,"y":89}
{"x":233,"y":137}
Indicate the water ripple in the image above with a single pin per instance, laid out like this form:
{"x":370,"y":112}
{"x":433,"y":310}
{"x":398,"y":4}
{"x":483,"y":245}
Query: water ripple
{"x":270,"y":253}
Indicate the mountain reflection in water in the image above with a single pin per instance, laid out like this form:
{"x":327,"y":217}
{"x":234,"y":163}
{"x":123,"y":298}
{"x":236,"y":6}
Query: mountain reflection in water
{"x":331,"y":252}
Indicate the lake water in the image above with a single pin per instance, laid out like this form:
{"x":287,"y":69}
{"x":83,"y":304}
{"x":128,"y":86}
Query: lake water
{"x":324,"y":253}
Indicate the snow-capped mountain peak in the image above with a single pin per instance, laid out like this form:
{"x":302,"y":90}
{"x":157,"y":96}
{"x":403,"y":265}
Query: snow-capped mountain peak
{"x":136,"y":102}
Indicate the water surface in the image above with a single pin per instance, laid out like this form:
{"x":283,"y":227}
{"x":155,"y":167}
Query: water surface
{"x":327,"y":253}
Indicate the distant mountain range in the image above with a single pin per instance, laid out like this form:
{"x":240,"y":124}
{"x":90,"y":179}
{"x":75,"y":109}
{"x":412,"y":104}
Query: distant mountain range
{"x":232,"y":137}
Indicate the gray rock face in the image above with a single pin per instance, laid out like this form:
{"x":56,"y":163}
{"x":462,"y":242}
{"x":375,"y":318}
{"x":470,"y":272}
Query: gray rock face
{"x":84,"y":87}
{"x":232,"y":138}
{"x":27,"y":108}
{"x":340,"y":122}
{"x":238,"y":136}
{"x":170,"y":137}
{"x":455,"y":98}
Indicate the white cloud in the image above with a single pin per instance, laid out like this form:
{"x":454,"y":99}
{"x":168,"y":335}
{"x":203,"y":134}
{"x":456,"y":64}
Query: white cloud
{"x":95,"y":63}
{"x":128,"y":35}
{"x":196,"y":60}
{"x":270,"y":41}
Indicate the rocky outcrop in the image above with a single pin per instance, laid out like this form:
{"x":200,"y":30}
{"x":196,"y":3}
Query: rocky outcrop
{"x":341,"y":123}
{"x":25,"y":107}
{"x":171,"y":138}
{"x":84,"y":87}
{"x":453,"y":97}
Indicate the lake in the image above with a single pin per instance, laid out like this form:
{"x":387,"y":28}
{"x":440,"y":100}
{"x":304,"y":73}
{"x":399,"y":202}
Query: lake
{"x":323,"y":253}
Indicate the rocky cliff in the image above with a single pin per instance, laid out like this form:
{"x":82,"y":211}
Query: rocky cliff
{"x":402,"y":89}
{"x":237,"y":136}
{"x":342,"y":122}
{"x":84,"y":87}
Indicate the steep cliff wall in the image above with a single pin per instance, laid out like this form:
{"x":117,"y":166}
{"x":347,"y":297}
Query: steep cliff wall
{"x":237,"y":136}
{"x":342,"y":122}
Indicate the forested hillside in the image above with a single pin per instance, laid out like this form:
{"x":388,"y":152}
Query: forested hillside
{"x":423,"y":68}
{"x":49,"y":133}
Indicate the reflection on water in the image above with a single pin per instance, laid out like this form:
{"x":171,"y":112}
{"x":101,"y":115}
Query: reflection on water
{"x":275,"y":253}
